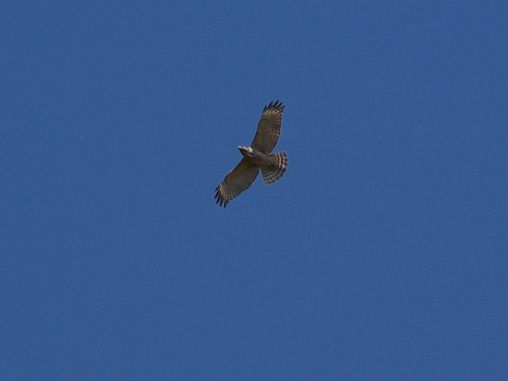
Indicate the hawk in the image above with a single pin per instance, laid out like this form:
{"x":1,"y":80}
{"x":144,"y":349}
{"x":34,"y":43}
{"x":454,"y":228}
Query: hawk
{"x":258,"y":156}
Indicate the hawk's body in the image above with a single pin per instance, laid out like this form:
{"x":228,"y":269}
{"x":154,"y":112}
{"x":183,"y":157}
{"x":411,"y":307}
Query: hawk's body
{"x":257,"y":156}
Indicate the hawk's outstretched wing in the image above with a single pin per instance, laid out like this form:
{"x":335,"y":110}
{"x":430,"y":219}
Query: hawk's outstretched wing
{"x":268,"y":131}
{"x":236,"y":181}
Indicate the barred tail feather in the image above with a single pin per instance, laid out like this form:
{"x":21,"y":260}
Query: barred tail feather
{"x":270,"y":175}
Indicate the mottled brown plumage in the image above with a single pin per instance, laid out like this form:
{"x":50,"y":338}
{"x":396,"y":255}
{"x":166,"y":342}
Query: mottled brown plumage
{"x":257,"y":156}
{"x":268,"y":131}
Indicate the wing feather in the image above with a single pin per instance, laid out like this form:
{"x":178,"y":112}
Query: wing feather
{"x":235,"y":182}
{"x":268,"y":131}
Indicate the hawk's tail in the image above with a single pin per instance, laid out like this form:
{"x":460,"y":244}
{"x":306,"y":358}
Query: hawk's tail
{"x":270,"y":175}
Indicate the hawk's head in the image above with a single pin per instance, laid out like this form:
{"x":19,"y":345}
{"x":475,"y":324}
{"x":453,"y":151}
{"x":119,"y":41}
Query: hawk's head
{"x":246,"y":151}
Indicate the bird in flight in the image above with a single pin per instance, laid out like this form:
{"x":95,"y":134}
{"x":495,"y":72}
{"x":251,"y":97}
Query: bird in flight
{"x":258,"y":156}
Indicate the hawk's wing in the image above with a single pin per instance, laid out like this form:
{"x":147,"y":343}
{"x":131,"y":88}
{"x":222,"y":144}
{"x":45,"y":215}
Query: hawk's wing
{"x":268,"y":131}
{"x":236,"y":181}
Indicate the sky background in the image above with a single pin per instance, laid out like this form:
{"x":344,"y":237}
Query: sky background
{"x":380,"y":255}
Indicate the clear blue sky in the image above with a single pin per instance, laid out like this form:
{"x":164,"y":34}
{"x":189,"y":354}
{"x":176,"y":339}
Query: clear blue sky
{"x":380,"y":255}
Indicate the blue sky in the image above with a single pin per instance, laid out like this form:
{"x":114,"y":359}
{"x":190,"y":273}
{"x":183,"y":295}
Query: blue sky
{"x":380,"y":255}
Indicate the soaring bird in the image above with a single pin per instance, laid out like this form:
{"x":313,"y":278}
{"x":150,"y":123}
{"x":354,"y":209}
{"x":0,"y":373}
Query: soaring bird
{"x":257,"y":156}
